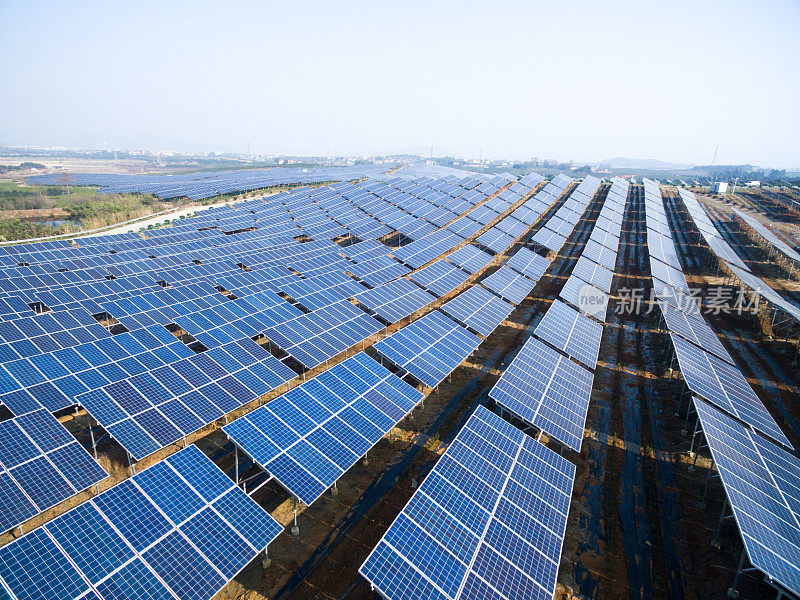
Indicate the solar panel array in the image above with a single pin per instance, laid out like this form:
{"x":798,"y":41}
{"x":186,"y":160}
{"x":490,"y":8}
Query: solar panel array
{"x":307,"y":438}
{"x":709,"y":232}
{"x":177,"y":307}
{"x":762,"y":483}
{"x":571,"y":332}
{"x":150,"y":335}
{"x":396,"y":299}
{"x":549,"y":391}
{"x":430,"y":348}
{"x":768,"y":235}
{"x":180,"y":529}
{"x":528,"y":263}
{"x":707,"y":368}
{"x":204,"y":184}
{"x":41,"y":464}
{"x":487,"y":522}
{"x":470,"y":258}
{"x":558,"y":227}
{"x":593,"y":273}
{"x":509,"y":284}
{"x":440,"y":277}
{"x":724,"y":385}
{"x":478,"y":309}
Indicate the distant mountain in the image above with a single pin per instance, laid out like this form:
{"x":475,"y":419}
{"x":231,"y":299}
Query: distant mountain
{"x":643,"y":163}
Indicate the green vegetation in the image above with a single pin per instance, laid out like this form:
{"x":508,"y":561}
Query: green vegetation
{"x":82,"y":204}
{"x":14,"y":229}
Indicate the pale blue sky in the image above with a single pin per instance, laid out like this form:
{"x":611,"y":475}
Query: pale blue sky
{"x":568,"y":80}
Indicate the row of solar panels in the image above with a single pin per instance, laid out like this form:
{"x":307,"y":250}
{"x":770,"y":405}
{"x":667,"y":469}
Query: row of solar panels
{"x":206,"y":184}
{"x":489,"y":519}
{"x":768,"y":235}
{"x":731,"y":259}
{"x":589,"y":285}
{"x":708,"y":369}
{"x":542,"y":386}
{"x":761,"y":478}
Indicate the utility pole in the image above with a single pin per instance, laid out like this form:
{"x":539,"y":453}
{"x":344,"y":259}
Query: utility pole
{"x":735,"y":181}
{"x":714,"y":162}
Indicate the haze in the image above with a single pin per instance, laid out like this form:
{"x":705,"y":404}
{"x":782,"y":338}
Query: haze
{"x":578,"y":80}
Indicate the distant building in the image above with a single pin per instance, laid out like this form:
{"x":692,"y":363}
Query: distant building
{"x":754,"y":183}
{"x":719,"y":187}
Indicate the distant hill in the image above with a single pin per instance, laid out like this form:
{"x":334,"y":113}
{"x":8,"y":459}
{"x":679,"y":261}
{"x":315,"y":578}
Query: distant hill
{"x":643,"y":163}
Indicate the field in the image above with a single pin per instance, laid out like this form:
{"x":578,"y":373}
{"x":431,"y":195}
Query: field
{"x":641,"y":519}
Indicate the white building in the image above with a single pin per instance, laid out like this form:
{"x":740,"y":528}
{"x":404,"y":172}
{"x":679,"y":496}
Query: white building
{"x":719,"y":187}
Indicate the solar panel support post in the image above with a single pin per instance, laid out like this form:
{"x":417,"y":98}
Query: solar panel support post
{"x":722,"y":518}
{"x":295,"y":527}
{"x":709,"y":475}
{"x":236,"y":464}
{"x":91,"y":437}
{"x":732,"y":591}
{"x":686,"y":423}
{"x":130,"y":464}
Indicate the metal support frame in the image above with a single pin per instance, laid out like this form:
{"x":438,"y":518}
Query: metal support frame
{"x":722,"y":518}
{"x":732,"y":591}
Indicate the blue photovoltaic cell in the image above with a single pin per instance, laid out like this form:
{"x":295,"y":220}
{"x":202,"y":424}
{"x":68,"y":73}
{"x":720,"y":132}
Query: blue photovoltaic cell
{"x":459,"y":537}
{"x":548,"y":390}
{"x":762,"y":484}
{"x":510,"y":285}
{"x":429,"y":348}
{"x":123,"y":545}
{"x":479,"y":309}
{"x":308,"y":456}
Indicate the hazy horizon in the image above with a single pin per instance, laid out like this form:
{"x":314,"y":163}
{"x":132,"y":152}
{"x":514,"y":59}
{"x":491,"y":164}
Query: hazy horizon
{"x":584,"y":82}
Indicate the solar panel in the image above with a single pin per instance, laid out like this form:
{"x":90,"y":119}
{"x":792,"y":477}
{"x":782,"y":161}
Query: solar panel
{"x":571,"y":332}
{"x":509,"y":285}
{"x":395,"y":300}
{"x":529,"y":263}
{"x":694,"y":329}
{"x":547,"y":390}
{"x":179,"y":528}
{"x":761,"y":482}
{"x":488,"y":521}
{"x":594,"y":273}
{"x":768,"y":235}
{"x":724,"y":385}
{"x":496,"y":240}
{"x":430,"y":348}
{"x":470,"y":258}
{"x":479,"y":309}
{"x":600,"y":254}
{"x":41,"y":464}
{"x":585,"y":297}
{"x":440,"y":277}
{"x":549,"y":239}
{"x":668,"y":275}
{"x":308,"y":437}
